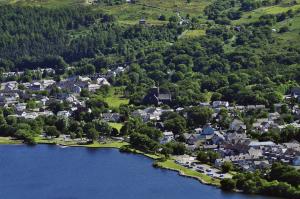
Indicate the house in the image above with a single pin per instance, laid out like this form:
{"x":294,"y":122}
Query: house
{"x":295,"y":92}
{"x":240,"y":108}
{"x":102,"y":82}
{"x":20,"y":107}
{"x":217,"y":138}
{"x":75,"y":89}
{"x":277,"y":107}
{"x":237,"y":125}
{"x":292,"y":146}
{"x":29,"y":115}
{"x":218,"y":104}
{"x":198,"y":130}
{"x":273,"y":116}
{"x":167,"y":137}
{"x":93,"y":87}
{"x":192,"y":139}
{"x":142,"y":22}
{"x":258,"y":107}
{"x":207,"y":130}
{"x":296,"y":161}
{"x":9,"y":86}
{"x":261,"y":164}
{"x":256,"y":144}
{"x":44,"y":101}
{"x":204,"y":104}
{"x":47,"y":82}
{"x":36,"y":86}
{"x":111,"y":117}
{"x":45,"y":113}
{"x":63,"y":114}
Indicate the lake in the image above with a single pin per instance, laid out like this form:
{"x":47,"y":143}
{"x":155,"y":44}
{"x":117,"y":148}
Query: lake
{"x":50,"y":172}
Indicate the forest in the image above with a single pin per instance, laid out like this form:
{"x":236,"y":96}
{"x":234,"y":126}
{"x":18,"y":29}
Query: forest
{"x":245,"y":52}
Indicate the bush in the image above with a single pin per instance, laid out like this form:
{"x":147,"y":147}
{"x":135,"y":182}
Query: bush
{"x":228,"y":184}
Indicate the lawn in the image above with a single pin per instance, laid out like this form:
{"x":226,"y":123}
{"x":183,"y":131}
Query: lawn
{"x":8,"y":140}
{"x":114,"y":98}
{"x":117,"y":126}
{"x":170,"y":164}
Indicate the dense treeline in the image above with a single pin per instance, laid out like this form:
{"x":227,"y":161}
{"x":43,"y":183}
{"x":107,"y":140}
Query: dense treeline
{"x":72,"y":33}
{"x":282,"y":181}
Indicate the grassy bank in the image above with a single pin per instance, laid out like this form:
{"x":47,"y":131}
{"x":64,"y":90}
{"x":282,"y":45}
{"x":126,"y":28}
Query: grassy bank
{"x":171,"y":165}
{"x":9,"y":140}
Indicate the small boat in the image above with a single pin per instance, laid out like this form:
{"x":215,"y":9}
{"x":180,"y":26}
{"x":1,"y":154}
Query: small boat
{"x":62,"y":146}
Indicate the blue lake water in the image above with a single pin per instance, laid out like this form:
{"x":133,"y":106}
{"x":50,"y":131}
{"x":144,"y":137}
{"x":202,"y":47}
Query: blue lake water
{"x":50,"y":172}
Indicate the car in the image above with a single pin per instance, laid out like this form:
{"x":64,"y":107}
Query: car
{"x":200,"y":170}
{"x":208,"y":170}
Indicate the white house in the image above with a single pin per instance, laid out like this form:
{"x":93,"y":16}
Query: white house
{"x":217,"y":104}
{"x":167,"y":137}
{"x":64,"y":114}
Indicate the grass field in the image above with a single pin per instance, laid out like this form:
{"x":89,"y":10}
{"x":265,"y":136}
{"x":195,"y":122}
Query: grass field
{"x":190,"y":34}
{"x":115,"y":97}
{"x":254,"y":15}
{"x":46,"y":3}
{"x":130,"y":13}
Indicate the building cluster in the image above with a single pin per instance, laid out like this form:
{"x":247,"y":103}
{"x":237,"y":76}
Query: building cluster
{"x":233,"y":144}
{"x":42,"y":93}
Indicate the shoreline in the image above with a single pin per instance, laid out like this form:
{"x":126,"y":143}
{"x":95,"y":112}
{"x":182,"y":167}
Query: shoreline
{"x":168,"y":164}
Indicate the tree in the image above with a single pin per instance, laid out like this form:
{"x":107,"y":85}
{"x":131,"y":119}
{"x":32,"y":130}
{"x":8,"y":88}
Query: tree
{"x":228,"y":184}
{"x":92,"y":134}
{"x":212,"y":156}
{"x":199,"y":115}
{"x":227,"y":166}
{"x":202,"y":157}
{"x":51,"y":131}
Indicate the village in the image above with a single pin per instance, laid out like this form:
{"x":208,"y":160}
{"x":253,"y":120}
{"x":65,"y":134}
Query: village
{"x":233,"y":144}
